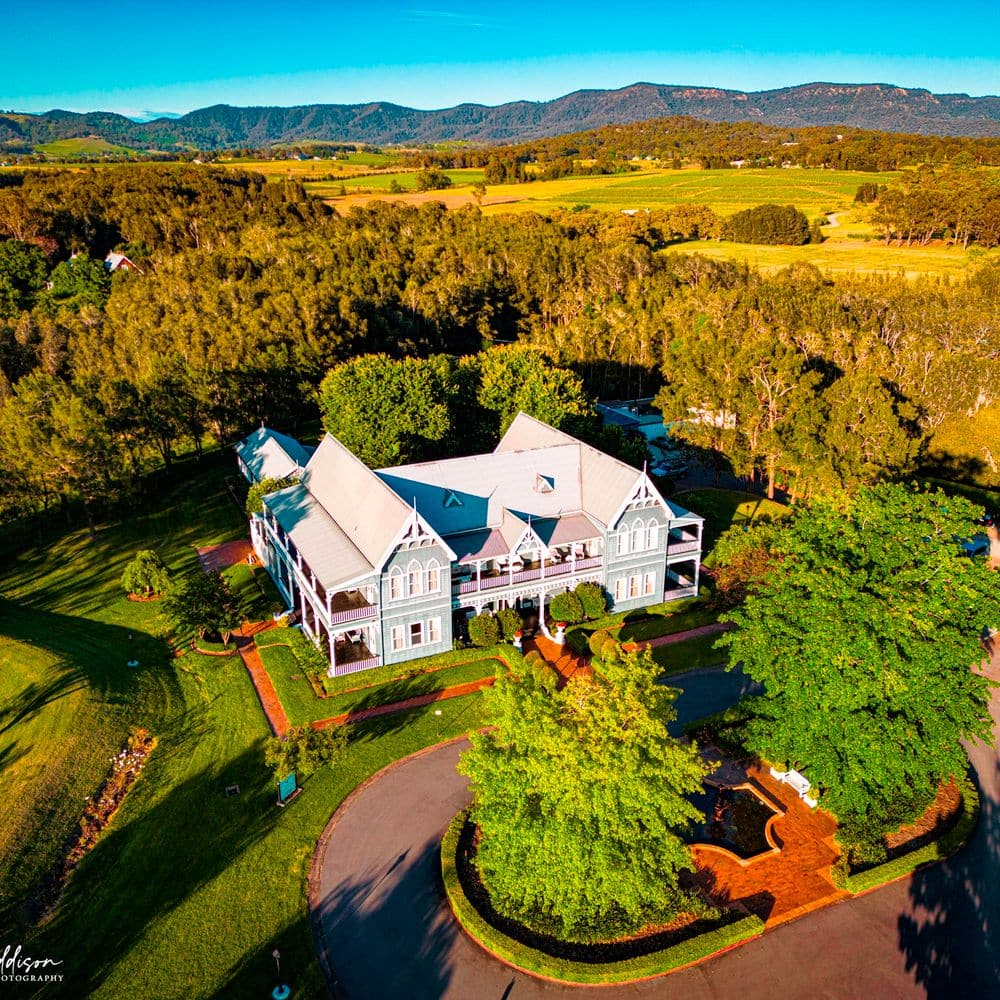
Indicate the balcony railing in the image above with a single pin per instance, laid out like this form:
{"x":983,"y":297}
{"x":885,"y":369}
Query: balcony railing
{"x":353,"y":614}
{"x":682,"y":545}
{"x":526,"y":575}
{"x":353,"y":667}
{"x":676,"y":593}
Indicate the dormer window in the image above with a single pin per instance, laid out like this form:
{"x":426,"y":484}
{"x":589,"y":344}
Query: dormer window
{"x":544,"y":484}
{"x":452,"y":499}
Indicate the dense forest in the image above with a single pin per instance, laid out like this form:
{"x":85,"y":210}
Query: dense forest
{"x":681,"y":141}
{"x":250,"y":293}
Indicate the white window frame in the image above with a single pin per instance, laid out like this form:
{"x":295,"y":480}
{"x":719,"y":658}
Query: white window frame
{"x":649,"y":583}
{"x":420,"y":640}
{"x":638,"y":535}
{"x":397,"y":584}
{"x":633,"y":587}
{"x":396,"y":638}
{"x":414,"y":579}
{"x":433,"y":574}
{"x":620,"y":589}
{"x":652,"y":533}
{"x":624,"y":540}
{"x":433,"y":630}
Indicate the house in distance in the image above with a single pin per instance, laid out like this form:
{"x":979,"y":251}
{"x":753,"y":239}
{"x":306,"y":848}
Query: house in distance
{"x":386,"y":565}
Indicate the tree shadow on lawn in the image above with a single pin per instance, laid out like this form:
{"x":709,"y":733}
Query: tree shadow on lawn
{"x":950,"y":932}
{"x":365,"y":730}
{"x":32,"y":698}
{"x":92,"y":652}
{"x":156,"y":860}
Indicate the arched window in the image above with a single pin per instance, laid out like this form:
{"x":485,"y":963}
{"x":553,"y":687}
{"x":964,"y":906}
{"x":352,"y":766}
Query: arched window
{"x":415,"y":578}
{"x":433,"y":576}
{"x":623,"y":539}
{"x":652,"y":533}
{"x":638,"y":530}
{"x":395,"y":584}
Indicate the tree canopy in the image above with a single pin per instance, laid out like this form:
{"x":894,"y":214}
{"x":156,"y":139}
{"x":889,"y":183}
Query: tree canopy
{"x":864,"y":633}
{"x":205,"y":603}
{"x":579,"y":795}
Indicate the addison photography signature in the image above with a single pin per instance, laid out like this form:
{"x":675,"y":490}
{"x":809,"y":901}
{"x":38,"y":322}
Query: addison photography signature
{"x":16,"y":967}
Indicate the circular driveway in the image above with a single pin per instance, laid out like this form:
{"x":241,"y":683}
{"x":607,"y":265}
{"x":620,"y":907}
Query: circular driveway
{"x":384,"y":930}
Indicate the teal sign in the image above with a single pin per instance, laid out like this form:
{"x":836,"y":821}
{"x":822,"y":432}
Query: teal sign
{"x":286,"y":788}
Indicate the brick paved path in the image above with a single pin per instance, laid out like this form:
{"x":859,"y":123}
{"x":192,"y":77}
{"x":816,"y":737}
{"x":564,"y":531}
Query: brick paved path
{"x":269,"y":701}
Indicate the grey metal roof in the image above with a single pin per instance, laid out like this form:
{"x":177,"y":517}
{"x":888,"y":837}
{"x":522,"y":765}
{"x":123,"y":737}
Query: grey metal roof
{"x":329,"y":552}
{"x":365,"y":508}
{"x":270,"y":455}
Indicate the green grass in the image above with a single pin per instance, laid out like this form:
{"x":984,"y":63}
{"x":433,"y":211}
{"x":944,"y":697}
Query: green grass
{"x":645,"y":623}
{"x":255,"y":591}
{"x":525,"y":957}
{"x":395,"y":683}
{"x":187,"y":891}
{"x":91,"y":146}
{"x":724,"y":508}
{"x":691,"y":654}
{"x":380,"y":183}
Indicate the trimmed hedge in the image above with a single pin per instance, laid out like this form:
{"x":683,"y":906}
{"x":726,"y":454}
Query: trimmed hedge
{"x":947,"y":844}
{"x":538,"y":962}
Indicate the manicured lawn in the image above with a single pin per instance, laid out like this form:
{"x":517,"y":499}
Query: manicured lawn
{"x":724,"y":508}
{"x":259,"y":598}
{"x":690,"y":655}
{"x":646,"y":623}
{"x":67,"y":698}
{"x":373,"y":687}
{"x":188,"y":891}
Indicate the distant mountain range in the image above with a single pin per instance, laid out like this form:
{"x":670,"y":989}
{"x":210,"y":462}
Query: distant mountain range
{"x":869,"y":106}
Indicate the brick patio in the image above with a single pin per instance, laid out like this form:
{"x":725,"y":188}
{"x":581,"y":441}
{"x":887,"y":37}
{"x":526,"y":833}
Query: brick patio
{"x":778,"y":887}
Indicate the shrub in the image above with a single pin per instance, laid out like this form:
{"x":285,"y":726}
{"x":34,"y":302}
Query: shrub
{"x":257,"y":492}
{"x":566,"y":608}
{"x":510,"y":622}
{"x":592,"y":599}
{"x":598,"y":640}
{"x":484,"y":630}
{"x":145,"y":574}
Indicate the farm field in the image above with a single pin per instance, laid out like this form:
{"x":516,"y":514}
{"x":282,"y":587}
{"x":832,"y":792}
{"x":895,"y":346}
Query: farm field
{"x":378,"y":183}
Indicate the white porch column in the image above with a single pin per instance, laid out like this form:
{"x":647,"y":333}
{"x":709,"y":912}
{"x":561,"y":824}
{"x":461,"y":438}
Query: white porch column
{"x":541,"y":564}
{"x":697,"y":572}
{"x":479,"y":575}
{"x":302,"y":602}
{"x":329,"y":605}
{"x":333,"y":654}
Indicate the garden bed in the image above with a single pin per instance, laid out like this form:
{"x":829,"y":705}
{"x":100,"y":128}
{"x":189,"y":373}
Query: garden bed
{"x":101,"y":808}
{"x":946,"y":843}
{"x":214,"y":648}
{"x":637,"y":957}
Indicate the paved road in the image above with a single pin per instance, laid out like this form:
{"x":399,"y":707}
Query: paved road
{"x":385,"y":932}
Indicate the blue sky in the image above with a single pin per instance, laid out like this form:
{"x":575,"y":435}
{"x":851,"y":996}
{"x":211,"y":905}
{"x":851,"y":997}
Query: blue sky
{"x":175,"y":56}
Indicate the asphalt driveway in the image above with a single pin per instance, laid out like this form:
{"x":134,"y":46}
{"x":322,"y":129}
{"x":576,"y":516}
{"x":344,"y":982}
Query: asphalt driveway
{"x":384,"y":930}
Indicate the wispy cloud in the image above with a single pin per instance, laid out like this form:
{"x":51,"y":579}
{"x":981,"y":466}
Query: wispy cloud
{"x":458,"y":19}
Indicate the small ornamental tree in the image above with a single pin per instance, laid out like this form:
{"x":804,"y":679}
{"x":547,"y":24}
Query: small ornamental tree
{"x":257,"y":492}
{"x":744,"y":555}
{"x":484,"y":630}
{"x":510,"y":622}
{"x":865,"y":635}
{"x":205,"y":603}
{"x":598,"y":640}
{"x":566,"y":608}
{"x":304,"y":750}
{"x":592,"y":599}
{"x":145,"y":574}
{"x":580,"y":796}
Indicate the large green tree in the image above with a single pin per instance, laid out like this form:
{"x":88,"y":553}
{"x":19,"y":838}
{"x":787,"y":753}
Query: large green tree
{"x":865,"y":633}
{"x":579,"y":795}
{"x":205,"y":603}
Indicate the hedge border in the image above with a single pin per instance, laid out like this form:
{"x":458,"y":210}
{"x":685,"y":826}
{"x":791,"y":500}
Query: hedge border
{"x":538,"y":963}
{"x":937,"y":850}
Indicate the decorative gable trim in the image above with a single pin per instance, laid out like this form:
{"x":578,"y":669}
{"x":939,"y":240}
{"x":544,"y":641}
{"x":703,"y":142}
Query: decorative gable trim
{"x":643,"y":495}
{"x":414,"y":529}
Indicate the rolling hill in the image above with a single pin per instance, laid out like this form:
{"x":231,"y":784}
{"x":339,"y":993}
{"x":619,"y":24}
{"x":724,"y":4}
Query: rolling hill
{"x":871,"y":106}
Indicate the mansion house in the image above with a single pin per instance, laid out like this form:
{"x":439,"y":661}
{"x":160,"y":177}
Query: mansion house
{"x":387,"y":565}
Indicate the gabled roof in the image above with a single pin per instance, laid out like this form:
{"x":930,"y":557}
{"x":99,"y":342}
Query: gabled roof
{"x":605,"y":481}
{"x":366,"y":509}
{"x":331,"y":555}
{"x":270,"y":455}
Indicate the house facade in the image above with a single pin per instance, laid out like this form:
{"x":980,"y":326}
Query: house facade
{"x":386,"y":565}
